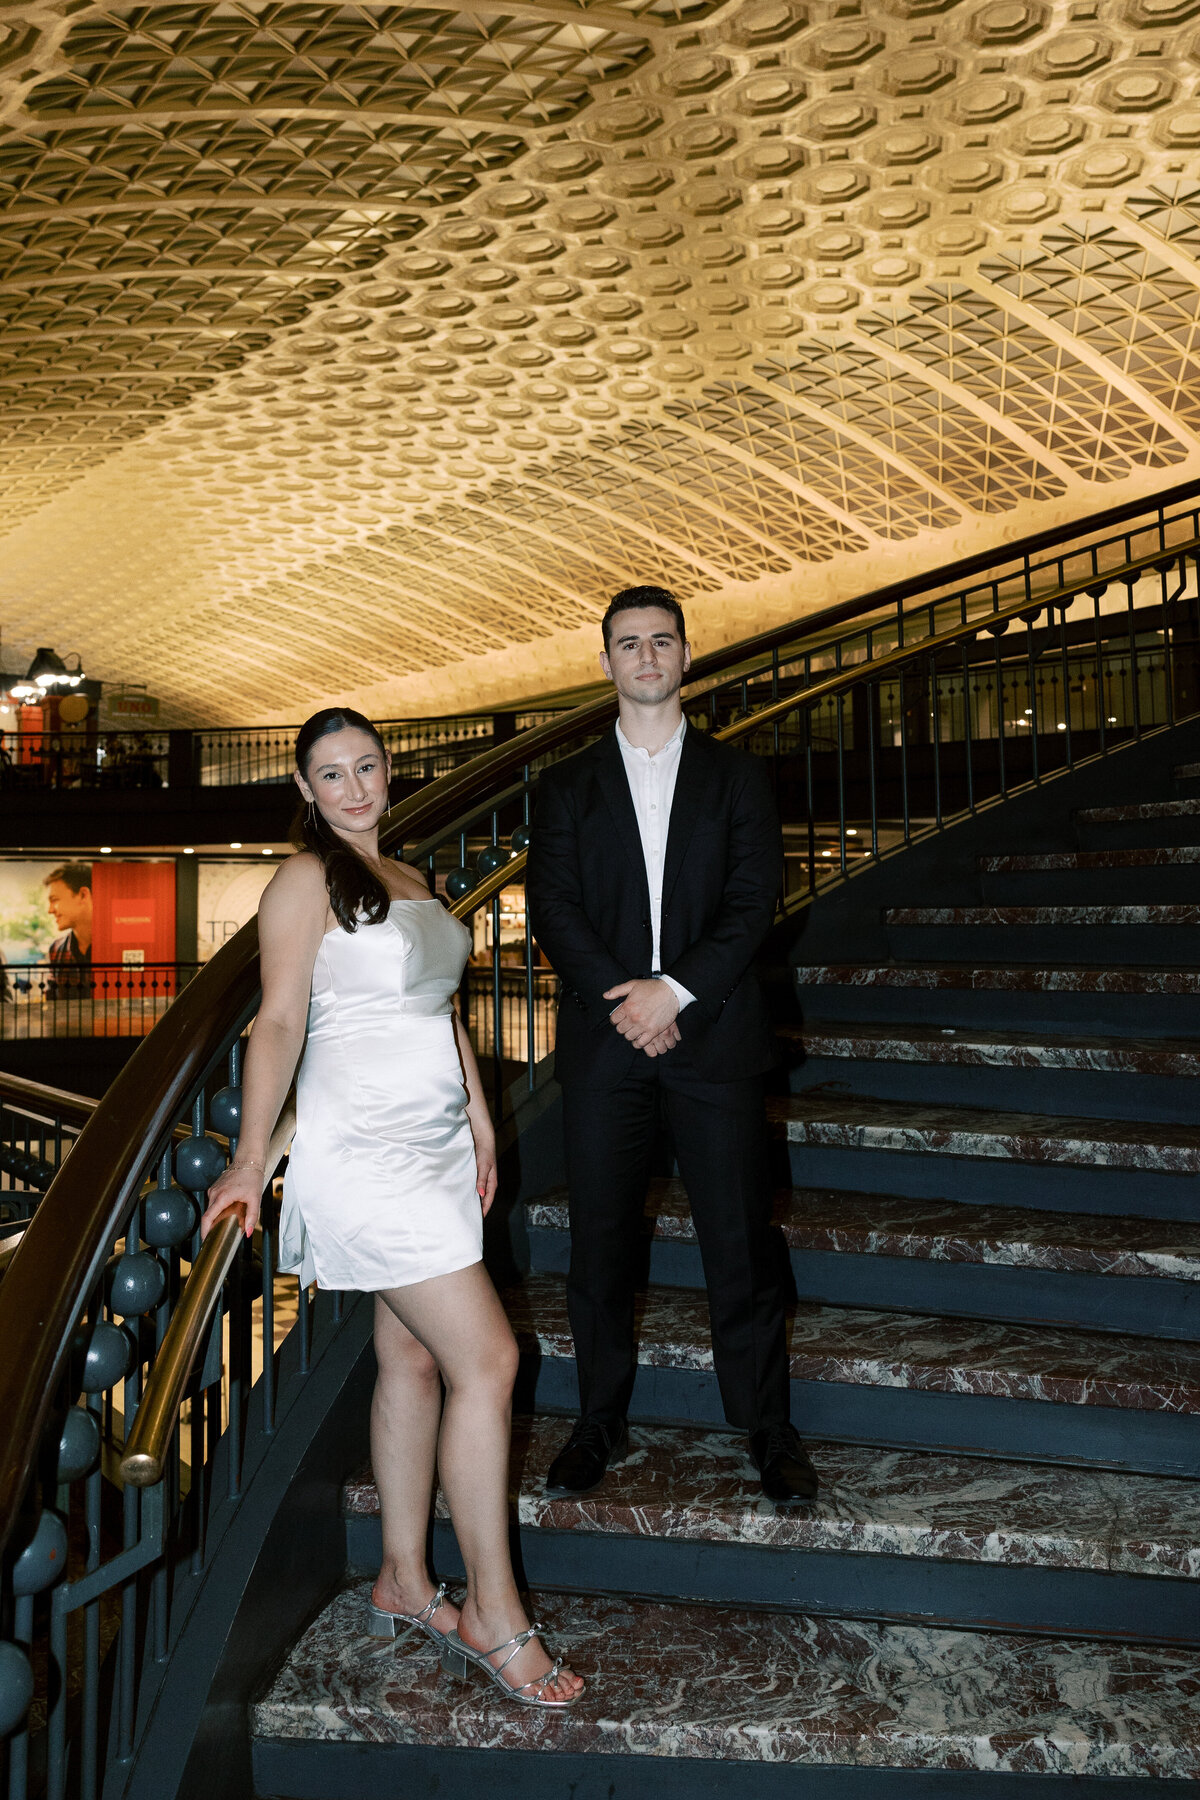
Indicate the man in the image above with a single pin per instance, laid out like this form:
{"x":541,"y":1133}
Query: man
{"x":654,"y":868}
{"x":69,"y":897}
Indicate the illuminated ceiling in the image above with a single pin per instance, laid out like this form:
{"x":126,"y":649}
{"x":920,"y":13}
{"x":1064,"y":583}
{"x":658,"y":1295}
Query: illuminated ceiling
{"x":361,"y":351}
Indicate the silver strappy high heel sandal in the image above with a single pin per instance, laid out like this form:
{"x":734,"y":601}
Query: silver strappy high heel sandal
{"x":457,"y":1658}
{"x":393,"y":1625}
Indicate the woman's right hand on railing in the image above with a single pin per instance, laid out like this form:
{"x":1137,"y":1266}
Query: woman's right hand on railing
{"x":239,"y":1188}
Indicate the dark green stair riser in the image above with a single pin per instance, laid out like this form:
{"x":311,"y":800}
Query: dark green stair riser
{"x":1146,"y":1306}
{"x":1093,"y":1094}
{"x":292,"y":1770}
{"x":1101,"y":946}
{"x":1051,"y":1187}
{"x":1153,"y":1443}
{"x":991,"y":1009}
{"x":931,"y":1590}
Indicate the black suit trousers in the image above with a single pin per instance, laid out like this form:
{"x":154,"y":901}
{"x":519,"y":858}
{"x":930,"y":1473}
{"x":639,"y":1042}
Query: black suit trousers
{"x":719,"y":1131}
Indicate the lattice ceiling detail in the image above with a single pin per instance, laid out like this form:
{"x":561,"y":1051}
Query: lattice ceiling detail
{"x":362,"y":350}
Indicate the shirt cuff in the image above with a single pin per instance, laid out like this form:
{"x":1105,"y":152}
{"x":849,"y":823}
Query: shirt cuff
{"x":680,"y":992}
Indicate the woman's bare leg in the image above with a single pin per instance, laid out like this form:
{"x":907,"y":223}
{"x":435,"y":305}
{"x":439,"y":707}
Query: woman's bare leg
{"x":406,"y":1413}
{"x":460,"y":1321}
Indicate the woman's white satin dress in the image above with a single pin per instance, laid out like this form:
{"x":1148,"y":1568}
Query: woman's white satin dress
{"x":380,"y":1188}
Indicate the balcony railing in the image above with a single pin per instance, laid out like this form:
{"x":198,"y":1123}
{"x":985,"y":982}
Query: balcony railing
{"x":84,"y":1000}
{"x":238,"y":756}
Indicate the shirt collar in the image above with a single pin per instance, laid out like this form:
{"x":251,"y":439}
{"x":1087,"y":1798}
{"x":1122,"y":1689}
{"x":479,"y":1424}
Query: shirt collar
{"x":672,"y":743}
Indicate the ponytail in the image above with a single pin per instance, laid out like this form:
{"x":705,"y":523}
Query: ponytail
{"x":355,"y":891}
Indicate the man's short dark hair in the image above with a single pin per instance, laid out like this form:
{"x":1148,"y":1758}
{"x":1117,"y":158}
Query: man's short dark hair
{"x":629,"y":598}
{"x":74,"y":875}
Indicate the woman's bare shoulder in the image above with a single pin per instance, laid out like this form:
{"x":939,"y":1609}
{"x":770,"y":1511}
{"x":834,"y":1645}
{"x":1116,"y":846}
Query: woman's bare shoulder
{"x":297,"y":882}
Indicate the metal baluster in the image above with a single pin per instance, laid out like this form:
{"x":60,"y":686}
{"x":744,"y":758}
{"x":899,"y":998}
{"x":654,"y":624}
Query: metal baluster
{"x":268,"y":1331}
{"x":531,"y":1056}
{"x":497,"y":1010}
{"x":1065,"y":665}
{"x":968,"y":747}
{"x":1034,"y":699}
{"x":936,"y":710}
{"x":90,"y":1732}
{"x":18,"y":1743}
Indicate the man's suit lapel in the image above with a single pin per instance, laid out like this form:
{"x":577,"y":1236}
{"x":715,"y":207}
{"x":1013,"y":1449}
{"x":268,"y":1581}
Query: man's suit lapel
{"x":691,"y":787}
{"x":614,"y":786}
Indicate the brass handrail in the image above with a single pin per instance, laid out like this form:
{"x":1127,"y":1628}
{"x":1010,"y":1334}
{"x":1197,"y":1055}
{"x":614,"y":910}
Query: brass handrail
{"x":145,"y":1456}
{"x":146,"y":1447}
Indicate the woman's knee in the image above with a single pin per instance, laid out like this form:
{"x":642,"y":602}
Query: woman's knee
{"x":491,"y":1371}
{"x":403,"y":1358}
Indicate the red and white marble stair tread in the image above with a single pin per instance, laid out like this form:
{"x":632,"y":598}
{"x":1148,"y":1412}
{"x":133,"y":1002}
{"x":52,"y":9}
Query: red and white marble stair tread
{"x":688,"y":1483}
{"x":863,"y":1122}
{"x":1042,"y":915}
{"x":1011,"y":978}
{"x":925,"y":1354}
{"x":761,"y":1687}
{"x":912,"y":1041}
{"x":865,"y":1224}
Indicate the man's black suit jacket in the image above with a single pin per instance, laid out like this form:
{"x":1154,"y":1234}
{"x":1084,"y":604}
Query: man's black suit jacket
{"x":590,"y":904}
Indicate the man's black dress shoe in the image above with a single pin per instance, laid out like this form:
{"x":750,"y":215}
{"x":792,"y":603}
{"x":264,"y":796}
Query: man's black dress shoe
{"x":581,"y":1462}
{"x":788,"y":1478}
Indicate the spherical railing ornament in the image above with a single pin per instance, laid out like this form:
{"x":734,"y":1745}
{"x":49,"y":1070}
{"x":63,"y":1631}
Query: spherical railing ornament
{"x":491,"y":859}
{"x":16,"y":1687}
{"x":136,"y":1282}
{"x":198,"y":1162}
{"x":108,"y":1359}
{"x":78,"y":1446}
{"x":520,"y":839}
{"x":459,"y":883}
{"x":169,"y":1216}
{"x":43,"y":1561}
{"x":225,"y":1112}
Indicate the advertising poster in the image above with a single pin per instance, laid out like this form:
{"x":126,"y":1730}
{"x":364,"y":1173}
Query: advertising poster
{"x":228,"y":895}
{"x":73,"y":912}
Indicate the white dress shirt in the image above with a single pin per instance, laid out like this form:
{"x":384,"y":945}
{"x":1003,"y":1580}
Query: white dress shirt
{"x":652,"y":789}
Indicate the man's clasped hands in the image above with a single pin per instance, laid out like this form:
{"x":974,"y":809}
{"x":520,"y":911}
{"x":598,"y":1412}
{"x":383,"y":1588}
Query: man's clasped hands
{"x":646,"y":1015}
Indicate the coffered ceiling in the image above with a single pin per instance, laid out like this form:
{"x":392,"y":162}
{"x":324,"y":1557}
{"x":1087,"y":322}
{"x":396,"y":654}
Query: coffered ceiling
{"x":361,"y":351}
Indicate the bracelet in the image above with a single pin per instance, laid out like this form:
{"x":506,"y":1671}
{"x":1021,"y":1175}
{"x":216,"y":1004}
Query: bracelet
{"x":249,"y":1164}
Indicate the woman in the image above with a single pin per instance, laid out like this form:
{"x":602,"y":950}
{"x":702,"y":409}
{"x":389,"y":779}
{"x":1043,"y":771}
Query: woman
{"x":392,"y":1168}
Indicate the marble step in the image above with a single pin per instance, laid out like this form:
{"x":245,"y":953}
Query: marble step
{"x":864,"y":1375}
{"x":1121,"y":935}
{"x":1146,"y":824}
{"x":1042,"y":1160}
{"x":1076,"y":998}
{"x":1019,"y":1071}
{"x":695,"y":1700}
{"x":1145,"y":809}
{"x":975,"y":1261}
{"x":1135,"y":874}
{"x":914,"y":1534}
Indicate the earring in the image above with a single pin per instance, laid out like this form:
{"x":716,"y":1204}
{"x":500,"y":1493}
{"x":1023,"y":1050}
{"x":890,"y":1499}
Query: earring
{"x":310,"y":813}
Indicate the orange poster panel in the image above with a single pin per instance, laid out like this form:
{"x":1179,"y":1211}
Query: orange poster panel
{"x":134,"y":912}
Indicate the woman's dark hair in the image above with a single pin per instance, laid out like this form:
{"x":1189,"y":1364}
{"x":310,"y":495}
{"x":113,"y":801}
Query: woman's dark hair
{"x":355,"y":892}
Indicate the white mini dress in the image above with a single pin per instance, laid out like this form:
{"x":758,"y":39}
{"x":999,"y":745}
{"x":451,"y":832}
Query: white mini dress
{"x":380,"y":1188}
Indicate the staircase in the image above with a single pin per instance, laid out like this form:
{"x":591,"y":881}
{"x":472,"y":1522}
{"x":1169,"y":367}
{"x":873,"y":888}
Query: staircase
{"x":988,"y":1157}
{"x":986,"y":969}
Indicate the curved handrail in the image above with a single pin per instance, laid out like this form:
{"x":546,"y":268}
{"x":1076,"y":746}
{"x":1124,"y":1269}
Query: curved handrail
{"x":85,"y":1207}
{"x":37,"y":1097}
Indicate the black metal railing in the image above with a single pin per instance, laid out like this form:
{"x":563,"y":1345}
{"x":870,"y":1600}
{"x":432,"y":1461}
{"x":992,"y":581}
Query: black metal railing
{"x":77,"y":1000}
{"x":871,"y":744}
{"x":235,"y":756}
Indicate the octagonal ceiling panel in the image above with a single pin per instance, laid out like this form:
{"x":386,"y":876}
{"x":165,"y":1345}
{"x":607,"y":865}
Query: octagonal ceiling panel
{"x":361,"y":351}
